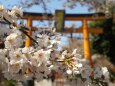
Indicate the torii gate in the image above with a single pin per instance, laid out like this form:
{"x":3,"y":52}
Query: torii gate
{"x":85,"y":30}
{"x":74,"y":17}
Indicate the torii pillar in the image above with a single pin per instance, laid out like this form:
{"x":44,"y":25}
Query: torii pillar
{"x":29,"y":32}
{"x":28,"y":43}
{"x":87,"y":52}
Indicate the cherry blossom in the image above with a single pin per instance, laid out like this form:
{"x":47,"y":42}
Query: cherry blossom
{"x":36,"y":62}
{"x":13,"y":41}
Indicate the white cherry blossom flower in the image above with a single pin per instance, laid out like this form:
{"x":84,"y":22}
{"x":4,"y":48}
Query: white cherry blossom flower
{"x":79,"y":65}
{"x":28,"y":50}
{"x":14,"y":68}
{"x":69,"y":71}
{"x":43,"y":41}
{"x":3,"y":57}
{"x":10,"y":16}
{"x":2,"y":10}
{"x":105,"y":72}
{"x":3,"y":54}
{"x":16,"y":55}
{"x":48,"y":39}
{"x":14,"y":76}
{"x":16,"y":12}
{"x":74,"y":52}
{"x":13,"y":41}
{"x":64,"y":53}
{"x":41,"y":56}
{"x":42,"y":72}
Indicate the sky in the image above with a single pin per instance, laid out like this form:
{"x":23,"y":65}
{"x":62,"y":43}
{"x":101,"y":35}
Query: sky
{"x":52,"y":6}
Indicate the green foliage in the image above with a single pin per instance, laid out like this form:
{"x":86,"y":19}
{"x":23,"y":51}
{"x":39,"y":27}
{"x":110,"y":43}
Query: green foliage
{"x":105,"y":43}
{"x":112,"y":76}
{"x":96,"y":24}
{"x":10,"y":83}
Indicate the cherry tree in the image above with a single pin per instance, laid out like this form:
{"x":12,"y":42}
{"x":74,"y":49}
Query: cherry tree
{"x":36,"y":61}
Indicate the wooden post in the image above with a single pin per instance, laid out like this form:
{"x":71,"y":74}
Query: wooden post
{"x":87,"y":52}
{"x":28,"y":40}
{"x":28,"y":44}
{"x":59,"y":80}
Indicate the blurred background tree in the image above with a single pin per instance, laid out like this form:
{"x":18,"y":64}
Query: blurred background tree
{"x":105,"y":43}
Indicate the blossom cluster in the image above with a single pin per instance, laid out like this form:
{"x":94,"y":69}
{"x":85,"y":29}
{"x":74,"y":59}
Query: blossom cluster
{"x":36,"y":62}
